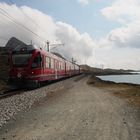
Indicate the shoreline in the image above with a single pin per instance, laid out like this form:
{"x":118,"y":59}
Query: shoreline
{"x":127,"y":91}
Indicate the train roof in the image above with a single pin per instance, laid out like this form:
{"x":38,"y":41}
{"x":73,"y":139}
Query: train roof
{"x":52,"y":55}
{"x":16,"y":45}
{"x":56,"y":56}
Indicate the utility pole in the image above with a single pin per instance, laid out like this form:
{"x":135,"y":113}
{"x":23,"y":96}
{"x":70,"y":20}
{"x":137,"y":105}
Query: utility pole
{"x":102,"y":65}
{"x":73,"y":61}
{"x":48,"y":46}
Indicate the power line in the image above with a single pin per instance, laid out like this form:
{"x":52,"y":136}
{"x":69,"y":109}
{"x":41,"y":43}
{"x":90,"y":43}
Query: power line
{"x":6,"y":14}
{"x":11,"y":2}
{"x":32,"y":20}
{"x":57,"y":45}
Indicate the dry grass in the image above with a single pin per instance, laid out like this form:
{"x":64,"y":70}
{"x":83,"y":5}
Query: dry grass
{"x":129,"y":92}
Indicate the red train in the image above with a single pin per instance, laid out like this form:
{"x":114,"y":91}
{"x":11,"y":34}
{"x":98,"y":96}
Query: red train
{"x":30,"y":66}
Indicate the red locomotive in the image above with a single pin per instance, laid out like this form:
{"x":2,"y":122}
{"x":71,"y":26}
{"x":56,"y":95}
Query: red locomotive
{"x":30,"y":66}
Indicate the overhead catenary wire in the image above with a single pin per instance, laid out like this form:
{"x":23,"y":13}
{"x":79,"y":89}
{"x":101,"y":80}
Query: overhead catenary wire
{"x":33,"y":21}
{"x":12,"y":19}
{"x":56,"y":45}
{"x":6,"y":14}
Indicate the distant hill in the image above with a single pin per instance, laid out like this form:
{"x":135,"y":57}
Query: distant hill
{"x":98,"y":71}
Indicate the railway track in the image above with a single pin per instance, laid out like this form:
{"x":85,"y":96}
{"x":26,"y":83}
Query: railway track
{"x":14,"y":91}
{"x":10,"y":92}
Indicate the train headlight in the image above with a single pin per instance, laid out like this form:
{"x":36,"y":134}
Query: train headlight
{"x":23,"y":49}
{"x":19,"y":75}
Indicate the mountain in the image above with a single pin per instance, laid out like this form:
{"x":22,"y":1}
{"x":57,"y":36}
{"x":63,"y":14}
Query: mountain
{"x":98,"y":71}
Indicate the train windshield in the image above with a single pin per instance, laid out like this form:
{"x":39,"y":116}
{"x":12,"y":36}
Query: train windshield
{"x":21,"y":59}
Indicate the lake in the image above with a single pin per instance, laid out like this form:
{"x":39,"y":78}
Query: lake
{"x":134,"y":79}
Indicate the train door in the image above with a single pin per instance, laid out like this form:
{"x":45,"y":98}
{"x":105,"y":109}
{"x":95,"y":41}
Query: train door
{"x":37,"y":66}
{"x":37,"y":62}
{"x":42,"y":65}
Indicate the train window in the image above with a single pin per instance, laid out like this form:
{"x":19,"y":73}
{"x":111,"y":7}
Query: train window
{"x":56,"y":65}
{"x":48,"y":62}
{"x":52,"y":63}
{"x":37,"y":61}
{"x":60,"y":65}
{"x":71,"y":67}
{"x":64,"y":66}
{"x":21,"y":59}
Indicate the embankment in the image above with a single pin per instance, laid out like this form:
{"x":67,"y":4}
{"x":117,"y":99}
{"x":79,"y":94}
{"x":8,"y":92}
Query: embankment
{"x":129,"y":92}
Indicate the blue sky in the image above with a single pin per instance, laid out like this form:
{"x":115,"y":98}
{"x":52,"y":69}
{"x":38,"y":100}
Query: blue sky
{"x":86,"y":18}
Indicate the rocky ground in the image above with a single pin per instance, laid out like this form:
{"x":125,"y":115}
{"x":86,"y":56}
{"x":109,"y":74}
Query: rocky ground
{"x":24,"y":100}
{"x":129,"y":92}
{"x":74,"y":110}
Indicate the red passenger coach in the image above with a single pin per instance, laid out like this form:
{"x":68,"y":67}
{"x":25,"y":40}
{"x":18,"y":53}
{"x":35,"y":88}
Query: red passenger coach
{"x":31,"y":65}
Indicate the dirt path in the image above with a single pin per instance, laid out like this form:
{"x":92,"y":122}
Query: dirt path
{"x":77,"y":112}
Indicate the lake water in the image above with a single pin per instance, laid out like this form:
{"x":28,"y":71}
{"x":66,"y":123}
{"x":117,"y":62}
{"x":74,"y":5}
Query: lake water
{"x":134,"y":79}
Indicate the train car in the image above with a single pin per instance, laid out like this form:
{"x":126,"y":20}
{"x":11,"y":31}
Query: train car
{"x":30,"y":66}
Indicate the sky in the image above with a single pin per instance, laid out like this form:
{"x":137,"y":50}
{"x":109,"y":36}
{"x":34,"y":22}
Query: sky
{"x":100,"y":33}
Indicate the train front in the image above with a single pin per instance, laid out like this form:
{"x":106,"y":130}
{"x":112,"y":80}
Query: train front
{"x":20,"y":66}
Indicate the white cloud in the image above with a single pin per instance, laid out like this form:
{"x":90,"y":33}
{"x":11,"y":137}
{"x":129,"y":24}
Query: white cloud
{"x":127,"y":13}
{"x":9,"y":29}
{"x":128,"y":36}
{"x":122,"y":58}
{"x":125,"y":39}
{"x":79,"y":46}
{"x":123,"y":11}
{"x":86,"y":2}
{"x":83,"y":2}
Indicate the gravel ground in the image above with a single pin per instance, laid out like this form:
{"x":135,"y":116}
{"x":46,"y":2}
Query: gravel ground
{"x":76,"y":111}
{"x":10,"y":106}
